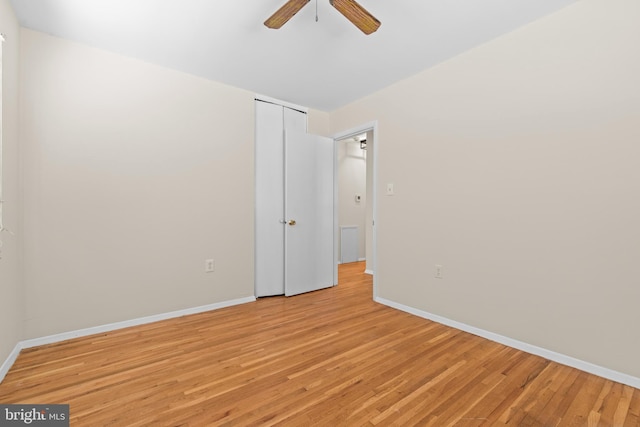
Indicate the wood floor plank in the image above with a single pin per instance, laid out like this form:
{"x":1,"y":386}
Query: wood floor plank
{"x":327,"y":358}
{"x":577,"y":413}
{"x":633,"y":416}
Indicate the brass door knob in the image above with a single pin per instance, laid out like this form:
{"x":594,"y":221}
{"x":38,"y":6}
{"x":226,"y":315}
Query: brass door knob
{"x":292,"y":222}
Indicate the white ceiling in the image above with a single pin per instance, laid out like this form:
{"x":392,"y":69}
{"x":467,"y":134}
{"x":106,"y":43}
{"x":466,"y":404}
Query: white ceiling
{"x":322,"y":65}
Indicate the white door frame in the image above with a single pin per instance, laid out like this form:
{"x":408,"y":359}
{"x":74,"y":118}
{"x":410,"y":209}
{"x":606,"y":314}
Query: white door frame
{"x":366,"y":127}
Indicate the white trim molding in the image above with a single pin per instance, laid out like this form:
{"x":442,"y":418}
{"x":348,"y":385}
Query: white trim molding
{"x":8,"y":363}
{"x":35,"y":342}
{"x":528,"y":348}
{"x":134,"y":322}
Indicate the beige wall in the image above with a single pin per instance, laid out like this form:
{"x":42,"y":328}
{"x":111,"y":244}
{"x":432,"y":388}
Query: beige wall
{"x":516,"y":167}
{"x":133,"y":176}
{"x":11,"y":292}
{"x":318,"y":122}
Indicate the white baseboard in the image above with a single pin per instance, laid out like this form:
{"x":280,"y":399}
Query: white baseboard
{"x":134,"y":322}
{"x":359,"y":260}
{"x":8,"y":363}
{"x":528,"y":348}
{"x":370,"y":272}
{"x":112,"y":327}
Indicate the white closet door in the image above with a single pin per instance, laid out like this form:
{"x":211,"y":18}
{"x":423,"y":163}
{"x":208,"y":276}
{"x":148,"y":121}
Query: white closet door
{"x":309,"y":161}
{"x":271,"y":121}
{"x":294,"y":121}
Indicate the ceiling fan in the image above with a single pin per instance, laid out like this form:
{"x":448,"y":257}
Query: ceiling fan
{"x":351,"y":10}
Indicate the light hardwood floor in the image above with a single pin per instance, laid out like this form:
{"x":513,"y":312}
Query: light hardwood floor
{"x":327,"y":358}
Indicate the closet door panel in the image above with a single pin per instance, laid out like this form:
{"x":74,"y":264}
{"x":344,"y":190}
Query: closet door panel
{"x":294,"y":120}
{"x":271,"y":122}
{"x":269,"y":230}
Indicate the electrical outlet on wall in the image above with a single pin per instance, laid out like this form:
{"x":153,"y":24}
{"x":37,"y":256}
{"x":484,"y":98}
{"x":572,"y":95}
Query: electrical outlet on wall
{"x":209,"y":265}
{"x":438,"y":271}
{"x":390,"y":190}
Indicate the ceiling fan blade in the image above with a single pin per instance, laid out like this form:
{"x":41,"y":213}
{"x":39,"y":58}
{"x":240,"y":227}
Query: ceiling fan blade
{"x":357,"y":14}
{"x":285,"y":13}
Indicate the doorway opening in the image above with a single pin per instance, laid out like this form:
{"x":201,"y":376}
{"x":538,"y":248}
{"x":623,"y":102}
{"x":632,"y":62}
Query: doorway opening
{"x":355,"y":198}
